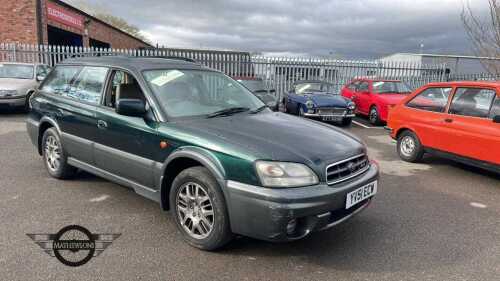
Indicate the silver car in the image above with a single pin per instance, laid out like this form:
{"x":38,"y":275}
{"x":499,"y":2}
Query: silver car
{"x":18,"y":81}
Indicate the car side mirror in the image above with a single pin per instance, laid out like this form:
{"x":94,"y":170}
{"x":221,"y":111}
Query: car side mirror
{"x":131,"y":107}
{"x":40,"y":78}
{"x":496,"y":119}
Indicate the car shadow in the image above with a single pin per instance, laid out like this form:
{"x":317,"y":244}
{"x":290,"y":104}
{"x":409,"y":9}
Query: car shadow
{"x":11,"y":112}
{"x":438,"y":161}
{"x":391,"y":235}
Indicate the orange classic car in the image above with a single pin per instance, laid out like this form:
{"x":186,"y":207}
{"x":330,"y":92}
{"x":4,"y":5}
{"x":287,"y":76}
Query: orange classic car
{"x":456,"y":120}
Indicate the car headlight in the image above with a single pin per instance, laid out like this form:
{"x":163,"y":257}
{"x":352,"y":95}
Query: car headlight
{"x":351,"y":106}
{"x":285,"y":174}
{"x":310,"y":104}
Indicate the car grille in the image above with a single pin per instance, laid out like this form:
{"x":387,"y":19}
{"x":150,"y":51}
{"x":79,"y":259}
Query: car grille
{"x":332,"y":111}
{"x":346,"y":169}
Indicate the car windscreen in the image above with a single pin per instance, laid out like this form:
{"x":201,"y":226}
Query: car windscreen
{"x":16,"y":71}
{"x":254,"y":85}
{"x":390,"y":87}
{"x":267,"y":98}
{"x":198,"y":93}
{"x":301,"y":88}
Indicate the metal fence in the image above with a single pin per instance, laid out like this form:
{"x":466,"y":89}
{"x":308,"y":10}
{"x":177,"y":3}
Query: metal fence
{"x":278,"y":72}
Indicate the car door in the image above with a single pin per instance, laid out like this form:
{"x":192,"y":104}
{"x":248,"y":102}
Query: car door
{"x":427,"y":114}
{"x":125,"y":145}
{"x":362,"y":97}
{"x":66,"y":101}
{"x":470,"y":128}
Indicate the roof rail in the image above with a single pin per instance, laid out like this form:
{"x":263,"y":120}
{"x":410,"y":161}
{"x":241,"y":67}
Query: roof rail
{"x":169,"y":58}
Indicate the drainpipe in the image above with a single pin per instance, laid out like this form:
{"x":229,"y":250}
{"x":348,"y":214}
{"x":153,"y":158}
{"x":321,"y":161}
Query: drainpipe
{"x":39,"y":23}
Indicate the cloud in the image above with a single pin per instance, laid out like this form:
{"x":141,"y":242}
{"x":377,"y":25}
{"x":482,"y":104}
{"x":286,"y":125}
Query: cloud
{"x":343,"y":28}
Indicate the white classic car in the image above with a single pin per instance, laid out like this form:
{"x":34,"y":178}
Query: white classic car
{"x":18,"y":81}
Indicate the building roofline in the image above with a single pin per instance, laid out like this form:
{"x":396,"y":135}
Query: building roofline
{"x":442,"y":56}
{"x":68,"y":6}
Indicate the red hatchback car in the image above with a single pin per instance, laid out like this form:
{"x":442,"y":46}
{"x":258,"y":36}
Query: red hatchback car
{"x":373,"y":98}
{"x":457,"y":120}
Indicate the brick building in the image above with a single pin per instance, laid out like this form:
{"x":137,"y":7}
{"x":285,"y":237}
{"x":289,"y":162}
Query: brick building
{"x":54,"y":22}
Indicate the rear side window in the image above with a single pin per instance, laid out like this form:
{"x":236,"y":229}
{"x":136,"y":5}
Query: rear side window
{"x":88,"y":85}
{"x":432,"y":99}
{"x":59,"y":80}
{"x":473,"y":102}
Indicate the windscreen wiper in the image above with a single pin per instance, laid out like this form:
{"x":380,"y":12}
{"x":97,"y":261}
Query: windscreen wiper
{"x":228,"y":111}
{"x":258,"y":109}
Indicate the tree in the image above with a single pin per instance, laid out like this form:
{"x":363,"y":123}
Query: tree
{"x":118,"y":22}
{"x":484,"y":34}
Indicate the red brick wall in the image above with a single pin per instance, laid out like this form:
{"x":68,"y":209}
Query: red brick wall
{"x":18,"y":24}
{"x":117,"y":39}
{"x":96,"y":30}
{"x":18,"y":21}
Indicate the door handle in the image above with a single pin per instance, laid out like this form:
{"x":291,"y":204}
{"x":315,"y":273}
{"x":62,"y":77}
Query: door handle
{"x":102,"y":124}
{"x":448,"y":120}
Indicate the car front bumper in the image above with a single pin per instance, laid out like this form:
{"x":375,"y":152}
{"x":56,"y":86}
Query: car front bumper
{"x":17,"y":101}
{"x":264,"y":213}
{"x":316,"y":115}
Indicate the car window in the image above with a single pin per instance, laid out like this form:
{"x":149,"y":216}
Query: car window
{"x":363,"y":87}
{"x":432,"y":99}
{"x":353,"y":85}
{"x":390,"y":87}
{"x":16,"y":71}
{"x":42,"y":70}
{"x":197,"y":93}
{"x":88,"y":85}
{"x":59,"y":80}
{"x":310,"y":87}
{"x":495,"y":109}
{"x":123,"y":85}
{"x":473,"y":102}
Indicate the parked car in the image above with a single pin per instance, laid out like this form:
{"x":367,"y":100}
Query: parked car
{"x":201,"y":145}
{"x":258,"y":87}
{"x":317,"y":99}
{"x":457,"y":120}
{"x":18,"y":81}
{"x":373,"y":98}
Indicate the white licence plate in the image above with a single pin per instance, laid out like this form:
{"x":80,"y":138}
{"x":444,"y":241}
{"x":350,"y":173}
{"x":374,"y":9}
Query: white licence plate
{"x":360,"y":194}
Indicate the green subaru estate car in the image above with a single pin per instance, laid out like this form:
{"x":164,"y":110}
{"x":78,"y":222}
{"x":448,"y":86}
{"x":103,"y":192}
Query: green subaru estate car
{"x":202,"y":146}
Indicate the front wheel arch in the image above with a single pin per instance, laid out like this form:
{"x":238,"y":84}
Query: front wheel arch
{"x":183,"y":159}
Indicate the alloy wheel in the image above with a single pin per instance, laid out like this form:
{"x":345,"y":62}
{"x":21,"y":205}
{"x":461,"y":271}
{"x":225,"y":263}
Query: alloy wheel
{"x":195,"y":210}
{"x":373,"y":115}
{"x":407,"y":146}
{"x":52,"y":153}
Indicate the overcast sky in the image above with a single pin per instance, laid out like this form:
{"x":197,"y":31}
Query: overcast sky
{"x":342,"y":28}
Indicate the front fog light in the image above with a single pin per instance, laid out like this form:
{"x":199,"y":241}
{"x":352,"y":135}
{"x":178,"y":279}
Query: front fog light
{"x":291,"y":226}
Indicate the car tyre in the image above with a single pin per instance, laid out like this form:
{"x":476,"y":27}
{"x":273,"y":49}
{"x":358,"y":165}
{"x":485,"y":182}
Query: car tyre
{"x":374,"y":116}
{"x":285,"y":106}
{"x":301,"y":111}
{"x":195,"y":193}
{"x":409,"y":147}
{"x":55,"y":157}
